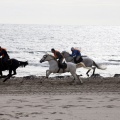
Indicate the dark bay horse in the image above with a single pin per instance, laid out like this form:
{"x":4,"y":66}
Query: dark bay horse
{"x":11,"y":66}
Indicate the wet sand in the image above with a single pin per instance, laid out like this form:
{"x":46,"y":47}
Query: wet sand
{"x":39,"y":98}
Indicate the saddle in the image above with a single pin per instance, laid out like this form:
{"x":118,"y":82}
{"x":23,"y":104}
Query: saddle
{"x":62,"y":66}
{"x":78,"y":59}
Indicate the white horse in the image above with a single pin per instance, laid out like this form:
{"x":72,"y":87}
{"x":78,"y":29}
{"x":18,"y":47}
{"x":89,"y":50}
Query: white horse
{"x":89,"y":63}
{"x":53,"y":68}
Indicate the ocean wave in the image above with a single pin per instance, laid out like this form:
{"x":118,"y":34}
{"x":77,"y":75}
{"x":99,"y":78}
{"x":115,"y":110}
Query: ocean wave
{"x":114,"y":60}
{"x":110,"y":63}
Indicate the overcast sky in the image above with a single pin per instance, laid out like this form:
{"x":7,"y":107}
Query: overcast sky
{"x":66,"y":12}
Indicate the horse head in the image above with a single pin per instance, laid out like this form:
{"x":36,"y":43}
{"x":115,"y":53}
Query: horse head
{"x":47,"y":57}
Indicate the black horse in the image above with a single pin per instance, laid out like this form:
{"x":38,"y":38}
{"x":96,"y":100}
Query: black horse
{"x":11,"y":65}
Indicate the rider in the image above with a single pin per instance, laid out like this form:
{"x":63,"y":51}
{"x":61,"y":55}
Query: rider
{"x":75,"y":54}
{"x":58,"y":56}
{"x":4,"y":55}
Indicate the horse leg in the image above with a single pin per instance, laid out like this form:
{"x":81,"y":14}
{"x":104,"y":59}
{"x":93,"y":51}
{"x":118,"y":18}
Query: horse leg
{"x":93,"y":71}
{"x":2,"y":76}
{"x":1,"y":73}
{"x":88,"y":72}
{"x":14,"y":72}
{"x":47,"y":73}
{"x":8,"y":76}
{"x":77,"y":80}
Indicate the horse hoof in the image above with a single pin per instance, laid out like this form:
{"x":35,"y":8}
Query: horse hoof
{"x":70,"y":83}
{"x":4,"y":80}
{"x":80,"y":83}
{"x":117,"y":75}
{"x":95,"y":75}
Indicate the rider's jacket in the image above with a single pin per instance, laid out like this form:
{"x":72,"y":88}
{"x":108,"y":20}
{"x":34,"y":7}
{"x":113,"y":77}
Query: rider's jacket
{"x":75,"y":53}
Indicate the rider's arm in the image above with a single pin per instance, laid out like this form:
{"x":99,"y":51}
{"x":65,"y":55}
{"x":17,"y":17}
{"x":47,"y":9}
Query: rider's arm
{"x":78,"y":53}
{"x":73,"y":53}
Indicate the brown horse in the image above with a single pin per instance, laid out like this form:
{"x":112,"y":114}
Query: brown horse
{"x":11,"y":65}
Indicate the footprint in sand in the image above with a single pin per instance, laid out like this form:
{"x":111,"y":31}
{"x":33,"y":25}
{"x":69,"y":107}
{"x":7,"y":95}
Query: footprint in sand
{"x":68,"y":106}
{"x":110,"y":106}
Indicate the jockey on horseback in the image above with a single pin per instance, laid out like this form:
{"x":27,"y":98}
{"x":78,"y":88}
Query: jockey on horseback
{"x":4,"y":55}
{"x":75,"y":54}
{"x":58,"y":56}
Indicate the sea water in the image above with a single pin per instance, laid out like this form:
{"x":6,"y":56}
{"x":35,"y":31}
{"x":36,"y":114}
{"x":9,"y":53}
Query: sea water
{"x":31,"y":42}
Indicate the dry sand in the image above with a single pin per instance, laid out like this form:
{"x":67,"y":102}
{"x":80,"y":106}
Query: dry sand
{"x":38,"y":98}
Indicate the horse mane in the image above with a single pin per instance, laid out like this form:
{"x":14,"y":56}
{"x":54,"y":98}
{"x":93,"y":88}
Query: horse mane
{"x":53,"y":57}
{"x":65,"y":51}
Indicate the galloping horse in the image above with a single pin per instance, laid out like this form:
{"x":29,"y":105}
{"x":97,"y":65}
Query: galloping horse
{"x":89,"y":63}
{"x":12,"y":65}
{"x":53,"y":68}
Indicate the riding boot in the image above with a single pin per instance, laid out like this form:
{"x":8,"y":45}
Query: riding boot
{"x":64,"y":65}
{"x":75,"y":60}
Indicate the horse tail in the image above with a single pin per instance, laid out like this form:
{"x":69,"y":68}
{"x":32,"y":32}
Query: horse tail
{"x":23,"y":64}
{"x":81,"y":64}
{"x":99,"y":66}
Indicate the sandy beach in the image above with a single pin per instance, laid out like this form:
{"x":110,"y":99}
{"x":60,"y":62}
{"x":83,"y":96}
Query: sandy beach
{"x":57,"y":98}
